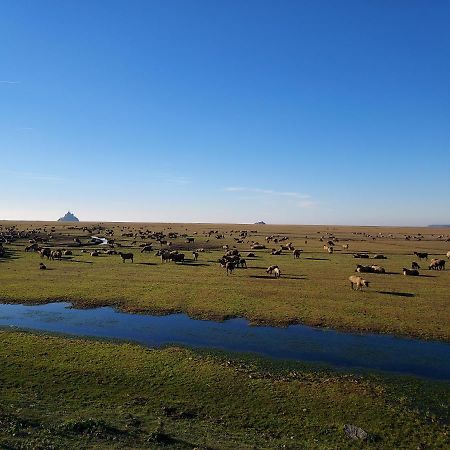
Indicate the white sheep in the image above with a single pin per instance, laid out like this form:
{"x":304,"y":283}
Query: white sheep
{"x":358,"y":281}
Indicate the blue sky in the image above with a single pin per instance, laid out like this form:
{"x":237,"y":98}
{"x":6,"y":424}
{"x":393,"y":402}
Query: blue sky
{"x":226,"y":111}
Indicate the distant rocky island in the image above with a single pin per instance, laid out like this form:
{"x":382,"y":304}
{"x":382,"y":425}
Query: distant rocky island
{"x":261,"y":222}
{"x":68,"y":217}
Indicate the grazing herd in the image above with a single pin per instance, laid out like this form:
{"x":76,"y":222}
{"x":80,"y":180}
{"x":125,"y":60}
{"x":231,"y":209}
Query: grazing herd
{"x":39,"y":242}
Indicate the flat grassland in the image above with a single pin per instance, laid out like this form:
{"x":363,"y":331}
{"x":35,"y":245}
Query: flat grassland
{"x":59,"y":392}
{"x":313,"y":290}
{"x":73,"y":393}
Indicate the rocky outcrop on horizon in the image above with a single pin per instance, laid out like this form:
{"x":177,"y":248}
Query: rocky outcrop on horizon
{"x":68,"y":217}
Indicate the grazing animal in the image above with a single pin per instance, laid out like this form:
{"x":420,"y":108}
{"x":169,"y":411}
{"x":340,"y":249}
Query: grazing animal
{"x":361,"y":255}
{"x":277,"y":272}
{"x":42,"y":266}
{"x":229,"y":266}
{"x":437,"y":264}
{"x":360,"y":269}
{"x":270,"y":269}
{"x":126,"y":256}
{"x":165,"y":256}
{"x":410,"y":272}
{"x":415,"y":266}
{"x":379,"y":257}
{"x":378,"y":269}
{"x":345,"y":246}
{"x":448,"y":255}
{"x":358,"y":282}
{"x":32,"y":247}
{"x":251,"y":255}
{"x":243,"y":263}
{"x":421,"y":255}
{"x":95,"y":253}
{"x":296,"y":253}
{"x":177,"y":257}
{"x":147,"y":248}
{"x":56,"y":254}
{"x":68,"y":253}
{"x":276,"y":252}
{"x":195,"y":255}
{"x":45,"y":252}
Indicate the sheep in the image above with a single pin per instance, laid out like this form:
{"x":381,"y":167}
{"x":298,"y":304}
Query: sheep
{"x":56,"y":254}
{"x":415,"y":266}
{"x":251,"y":255}
{"x":95,"y":253}
{"x":195,"y":255}
{"x":330,"y":250}
{"x":277,"y":272}
{"x":345,"y":246}
{"x":177,"y":257}
{"x":42,"y":266}
{"x":421,"y":255}
{"x":242,"y":263}
{"x":361,"y":255}
{"x":68,"y":253}
{"x":147,"y":248}
{"x":229,"y":266}
{"x":360,"y":269}
{"x":296,"y":253}
{"x":410,"y":272}
{"x":378,"y":269}
{"x":270,"y":269}
{"x":45,"y":252}
{"x":126,"y":256}
{"x":448,"y":255}
{"x":437,"y":264}
{"x":276,"y":252}
{"x":165,"y":256}
{"x":358,"y":281}
{"x":379,"y":257}
{"x":32,"y":247}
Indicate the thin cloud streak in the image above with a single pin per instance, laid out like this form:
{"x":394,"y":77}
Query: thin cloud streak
{"x":33,"y":176}
{"x":267,"y":192}
{"x":178,"y":180}
{"x":9,"y":82}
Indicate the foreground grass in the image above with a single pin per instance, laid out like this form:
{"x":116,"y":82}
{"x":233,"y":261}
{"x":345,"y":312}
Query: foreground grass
{"x":313,"y":290}
{"x":71,"y":393}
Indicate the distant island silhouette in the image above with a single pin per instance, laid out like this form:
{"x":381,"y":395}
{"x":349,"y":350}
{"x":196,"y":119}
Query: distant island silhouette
{"x":68,"y":217}
{"x":261,"y":222}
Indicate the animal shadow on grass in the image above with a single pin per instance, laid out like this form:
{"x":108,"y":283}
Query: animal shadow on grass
{"x":148,"y":264}
{"x":8,"y":256}
{"x":271,"y":277}
{"x":317,"y":259}
{"x":78,"y":261}
{"x":398,"y":294}
{"x":199,"y":264}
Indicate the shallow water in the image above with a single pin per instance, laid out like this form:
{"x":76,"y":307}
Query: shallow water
{"x":337,"y":349}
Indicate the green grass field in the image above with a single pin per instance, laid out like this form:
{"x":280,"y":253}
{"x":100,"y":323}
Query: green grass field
{"x":72,"y":393}
{"x":61,"y":392}
{"x":313,"y":290}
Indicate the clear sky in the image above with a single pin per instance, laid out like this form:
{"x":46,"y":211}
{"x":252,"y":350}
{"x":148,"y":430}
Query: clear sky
{"x":226,"y":111}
